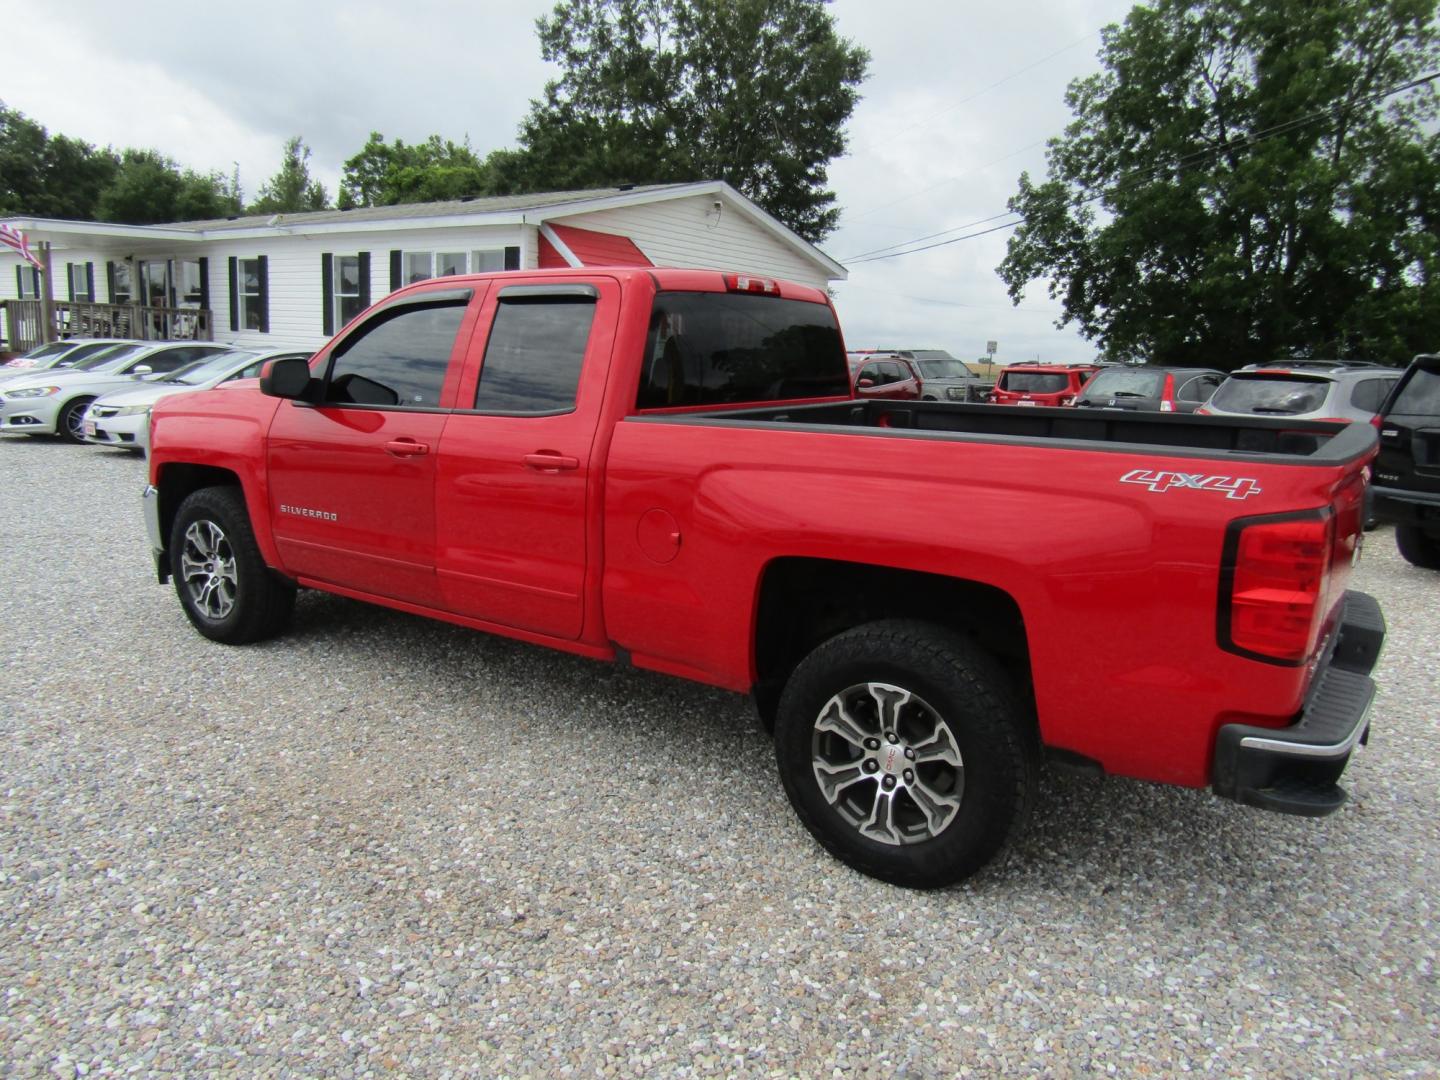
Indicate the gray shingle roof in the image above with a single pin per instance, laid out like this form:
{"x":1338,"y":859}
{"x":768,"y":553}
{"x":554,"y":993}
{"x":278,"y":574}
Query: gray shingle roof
{"x":478,"y":205}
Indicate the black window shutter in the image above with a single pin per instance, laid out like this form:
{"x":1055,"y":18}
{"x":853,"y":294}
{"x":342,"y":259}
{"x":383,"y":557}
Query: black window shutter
{"x":19,"y":282}
{"x":234,"y":294}
{"x":264,"y":294}
{"x":204,"y":282}
{"x":327,"y":289}
{"x":512,"y":258}
{"x":364,"y":280}
{"x":394,"y":270}
{"x":110,"y":281}
{"x":70,"y":280}
{"x":90,"y":281}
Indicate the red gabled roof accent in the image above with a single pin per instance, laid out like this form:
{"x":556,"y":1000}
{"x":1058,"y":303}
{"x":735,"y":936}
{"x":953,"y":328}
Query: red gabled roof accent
{"x":550,"y":259}
{"x":593,"y":248}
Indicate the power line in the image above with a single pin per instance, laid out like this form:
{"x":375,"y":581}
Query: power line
{"x":932,"y":236}
{"x":1181,"y":163}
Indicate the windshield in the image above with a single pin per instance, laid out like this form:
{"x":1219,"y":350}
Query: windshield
{"x":1421,"y":395}
{"x":1271,"y":395}
{"x":109,"y":359}
{"x":1118,"y":382}
{"x":40,"y":352}
{"x":212,"y":367}
{"x":948,"y":368}
{"x":715,"y":348}
{"x":1034,"y":382}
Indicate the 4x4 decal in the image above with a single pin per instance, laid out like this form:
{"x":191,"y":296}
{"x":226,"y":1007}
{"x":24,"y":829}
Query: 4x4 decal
{"x":1160,"y":481}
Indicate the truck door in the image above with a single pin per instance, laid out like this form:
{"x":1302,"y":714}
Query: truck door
{"x":517,"y":482}
{"x":352,"y":477}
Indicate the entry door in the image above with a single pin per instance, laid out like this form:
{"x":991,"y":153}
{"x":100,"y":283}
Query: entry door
{"x":517,"y":467}
{"x":352,"y":478}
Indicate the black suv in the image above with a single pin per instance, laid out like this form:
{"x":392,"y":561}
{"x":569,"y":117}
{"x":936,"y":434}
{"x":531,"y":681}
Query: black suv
{"x":1407,"y":472}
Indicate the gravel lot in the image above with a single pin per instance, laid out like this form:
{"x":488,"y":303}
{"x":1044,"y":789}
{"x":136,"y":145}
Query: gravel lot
{"x":381,"y":846}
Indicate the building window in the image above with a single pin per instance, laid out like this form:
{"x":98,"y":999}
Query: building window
{"x":121,"y":288}
{"x":27,"y":282}
{"x":189,"y":288}
{"x":418,"y":266}
{"x":449,"y":263}
{"x":348,"y":303}
{"x":251,"y":296}
{"x":489,"y":261}
{"x":80,"y":274}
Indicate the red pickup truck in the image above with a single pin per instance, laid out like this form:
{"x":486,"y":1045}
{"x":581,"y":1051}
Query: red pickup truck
{"x":665,"y":468}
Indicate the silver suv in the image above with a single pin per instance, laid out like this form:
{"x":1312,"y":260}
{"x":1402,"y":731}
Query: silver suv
{"x":1304,"y":391}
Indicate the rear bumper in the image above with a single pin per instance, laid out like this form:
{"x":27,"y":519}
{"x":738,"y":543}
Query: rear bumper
{"x":1294,"y":770}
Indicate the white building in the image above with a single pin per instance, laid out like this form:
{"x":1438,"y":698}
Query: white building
{"x":300,"y":277}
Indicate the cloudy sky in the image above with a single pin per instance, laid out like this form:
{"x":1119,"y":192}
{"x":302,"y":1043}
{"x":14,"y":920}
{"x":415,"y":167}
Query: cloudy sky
{"x":960,"y":100}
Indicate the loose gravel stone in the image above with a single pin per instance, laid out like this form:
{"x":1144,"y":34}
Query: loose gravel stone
{"x":385,"y":846}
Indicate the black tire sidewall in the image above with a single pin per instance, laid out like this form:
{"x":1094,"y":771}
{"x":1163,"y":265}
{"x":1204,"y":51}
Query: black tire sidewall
{"x":1418,"y":547}
{"x":259,"y":606}
{"x":62,"y":422}
{"x":973,"y":700}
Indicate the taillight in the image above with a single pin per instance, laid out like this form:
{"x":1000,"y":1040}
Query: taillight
{"x":745,"y":283}
{"x":1167,"y":395}
{"x":1375,"y":421}
{"x":1202,"y":411}
{"x":1167,"y":406}
{"x":1273,"y":586}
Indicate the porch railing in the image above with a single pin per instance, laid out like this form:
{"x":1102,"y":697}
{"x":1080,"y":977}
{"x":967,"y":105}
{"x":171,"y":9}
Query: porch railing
{"x":24,"y":322}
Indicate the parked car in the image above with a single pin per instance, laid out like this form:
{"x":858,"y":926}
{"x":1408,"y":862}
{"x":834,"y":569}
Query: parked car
{"x":1150,"y":389}
{"x":506,"y":452}
{"x":1336,"y":393}
{"x":1407,"y":472}
{"x":58,"y":355}
{"x":1041,"y":384}
{"x":121,"y":418}
{"x":54,"y":403}
{"x":895,"y":377}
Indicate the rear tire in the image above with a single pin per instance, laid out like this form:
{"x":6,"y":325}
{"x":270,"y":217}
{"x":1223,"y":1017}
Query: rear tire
{"x":70,"y":425}
{"x":227,"y":591}
{"x":902,"y":749}
{"x":1418,"y":547}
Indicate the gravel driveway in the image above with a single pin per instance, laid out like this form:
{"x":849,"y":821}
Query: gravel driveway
{"x":381,"y":846}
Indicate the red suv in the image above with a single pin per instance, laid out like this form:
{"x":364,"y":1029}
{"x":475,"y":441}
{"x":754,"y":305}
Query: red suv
{"x":1041,"y":384}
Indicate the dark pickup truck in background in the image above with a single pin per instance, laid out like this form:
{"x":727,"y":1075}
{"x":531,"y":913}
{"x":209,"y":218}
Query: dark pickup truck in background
{"x":1407,"y":472}
{"x":667,"y":468}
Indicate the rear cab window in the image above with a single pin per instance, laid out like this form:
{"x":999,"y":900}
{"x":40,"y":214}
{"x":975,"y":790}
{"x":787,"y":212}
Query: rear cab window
{"x":714,"y":349}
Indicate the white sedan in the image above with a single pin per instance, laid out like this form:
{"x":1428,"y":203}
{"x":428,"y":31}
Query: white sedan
{"x":121,"y":418}
{"x":54,"y":402}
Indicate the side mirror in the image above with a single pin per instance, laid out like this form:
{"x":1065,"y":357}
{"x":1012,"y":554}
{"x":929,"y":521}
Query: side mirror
{"x":141,"y":369}
{"x":864,"y":384}
{"x":287,"y":378}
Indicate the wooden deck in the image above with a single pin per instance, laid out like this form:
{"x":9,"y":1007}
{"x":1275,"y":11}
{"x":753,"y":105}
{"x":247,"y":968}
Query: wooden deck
{"x":25,"y":329}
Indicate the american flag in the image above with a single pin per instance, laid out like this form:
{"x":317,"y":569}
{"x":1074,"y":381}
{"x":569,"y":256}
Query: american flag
{"x":12,"y":237}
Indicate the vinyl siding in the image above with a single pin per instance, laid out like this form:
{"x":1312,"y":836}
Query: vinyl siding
{"x":678,"y":232}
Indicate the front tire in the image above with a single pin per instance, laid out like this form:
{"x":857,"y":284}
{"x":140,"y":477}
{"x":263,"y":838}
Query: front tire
{"x":70,"y":424}
{"x":1418,"y":547}
{"x":900,"y":745}
{"x":227,"y":591}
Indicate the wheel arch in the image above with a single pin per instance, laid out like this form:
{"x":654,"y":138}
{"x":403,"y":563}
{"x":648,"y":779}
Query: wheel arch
{"x":803,"y":602}
{"x":176,"y":481}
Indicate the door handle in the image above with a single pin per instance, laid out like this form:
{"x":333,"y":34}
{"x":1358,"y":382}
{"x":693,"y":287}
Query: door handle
{"x":549,"y":461}
{"x":406,"y":448}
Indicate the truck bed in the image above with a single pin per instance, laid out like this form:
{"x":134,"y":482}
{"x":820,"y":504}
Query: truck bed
{"x":1271,"y":440}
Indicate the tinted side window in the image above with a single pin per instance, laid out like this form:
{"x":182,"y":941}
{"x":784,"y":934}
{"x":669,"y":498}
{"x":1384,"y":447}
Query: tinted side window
{"x":397,"y":359}
{"x":171,"y":359}
{"x":532,"y":361}
{"x":1369,"y":394}
{"x":871,"y":372}
{"x":890,"y":372}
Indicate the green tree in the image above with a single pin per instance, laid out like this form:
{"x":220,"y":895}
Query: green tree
{"x":49,"y":176}
{"x":754,"y":92}
{"x":384,"y":174}
{"x":291,"y":190}
{"x":1240,"y":183}
{"x":150,"y":189}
